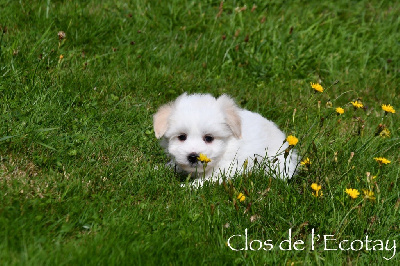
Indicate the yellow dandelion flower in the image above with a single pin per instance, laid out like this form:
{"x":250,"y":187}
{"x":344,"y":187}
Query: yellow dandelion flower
{"x":388,"y":108}
{"x":385,"y":133}
{"x":292,"y":140}
{"x":368,"y":194}
{"x":382,"y":131}
{"x":61,"y":57}
{"x":357,"y":104}
{"x":317,"y":189}
{"x":353,"y":193}
{"x":317,"y":87}
{"x":203,"y":158}
{"x":241,"y":197}
{"x":382,"y":160}
{"x":315,"y":186}
{"x":306,"y":162}
{"x":339,"y":110}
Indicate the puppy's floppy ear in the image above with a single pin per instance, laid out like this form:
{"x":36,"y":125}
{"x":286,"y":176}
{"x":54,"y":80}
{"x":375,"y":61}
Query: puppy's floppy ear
{"x":160,"y":120}
{"x":231,"y":111}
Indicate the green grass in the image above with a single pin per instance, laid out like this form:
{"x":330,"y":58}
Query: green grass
{"x":82,"y":177}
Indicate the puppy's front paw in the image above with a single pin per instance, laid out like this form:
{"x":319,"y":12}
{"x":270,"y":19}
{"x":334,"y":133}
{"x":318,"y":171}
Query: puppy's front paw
{"x":194,"y":184}
{"x":170,"y":164}
{"x":198,"y":183}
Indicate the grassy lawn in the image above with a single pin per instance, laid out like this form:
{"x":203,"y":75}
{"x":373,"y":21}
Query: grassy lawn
{"x":83,"y":178}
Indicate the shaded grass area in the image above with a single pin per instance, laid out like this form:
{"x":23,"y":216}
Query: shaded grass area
{"x":82,"y":178}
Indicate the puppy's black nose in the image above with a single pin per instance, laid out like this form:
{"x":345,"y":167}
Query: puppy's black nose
{"x":192,"y":158}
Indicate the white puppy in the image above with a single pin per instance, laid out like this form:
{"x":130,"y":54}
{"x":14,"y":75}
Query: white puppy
{"x":229,"y":136}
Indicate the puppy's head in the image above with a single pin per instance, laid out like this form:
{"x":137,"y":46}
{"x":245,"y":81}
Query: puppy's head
{"x":197,"y":123}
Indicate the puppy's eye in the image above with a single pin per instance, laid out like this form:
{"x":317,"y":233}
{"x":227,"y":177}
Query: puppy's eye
{"x":182,"y":137}
{"x":208,"y":138}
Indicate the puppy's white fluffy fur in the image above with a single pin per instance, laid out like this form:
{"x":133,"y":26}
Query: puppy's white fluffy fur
{"x":201,"y":124}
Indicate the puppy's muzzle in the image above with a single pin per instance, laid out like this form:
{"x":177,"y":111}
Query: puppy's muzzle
{"x":192,"y":158}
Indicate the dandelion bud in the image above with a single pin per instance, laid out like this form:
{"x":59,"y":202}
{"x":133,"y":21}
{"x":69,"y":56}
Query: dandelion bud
{"x":245,"y":164}
{"x":368,"y":177}
{"x":286,"y":153}
{"x":351,"y":156}
{"x":61,"y":35}
{"x":328,"y":104}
